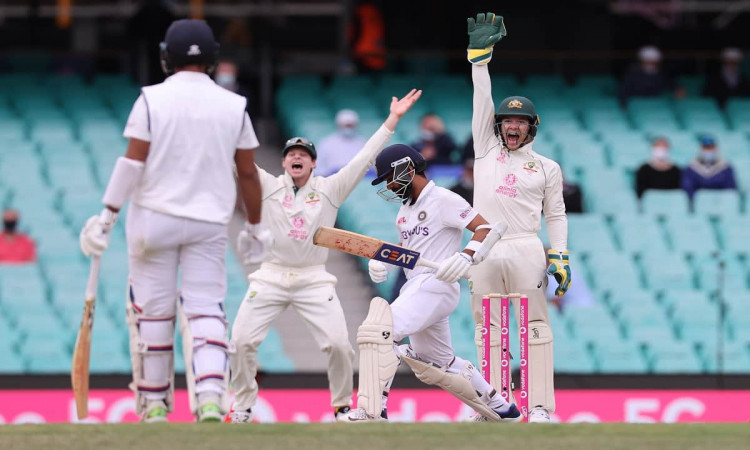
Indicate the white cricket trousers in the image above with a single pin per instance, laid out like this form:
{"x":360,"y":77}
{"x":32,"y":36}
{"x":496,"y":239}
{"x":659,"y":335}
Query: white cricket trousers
{"x":518,"y":264}
{"x":159,"y":244}
{"x":421,"y":313}
{"x":311,"y":291}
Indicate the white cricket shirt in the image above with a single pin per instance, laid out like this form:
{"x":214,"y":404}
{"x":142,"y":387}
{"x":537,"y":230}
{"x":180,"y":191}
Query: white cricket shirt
{"x":434,"y":225}
{"x":294,"y":217}
{"x":513,"y":186}
{"x":194,"y":127}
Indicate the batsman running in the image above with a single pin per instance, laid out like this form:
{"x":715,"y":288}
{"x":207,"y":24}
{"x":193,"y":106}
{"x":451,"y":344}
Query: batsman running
{"x":514,"y":183}
{"x":185,"y":137}
{"x":295,"y":204}
{"x":431,"y":221}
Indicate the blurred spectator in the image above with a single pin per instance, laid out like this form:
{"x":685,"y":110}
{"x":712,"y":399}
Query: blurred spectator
{"x":227,"y":75}
{"x":647,"y":79}
{"x":435,"y":144}
{"x":708,"y":170}
{"x":465,"y":185}
{"x":728,"y":80}
{"x":146,"y":30}
{"x":572,"y":197}
{"x":659,"y":172}
{"x":337,"y":149}
{"x":15,"y":247}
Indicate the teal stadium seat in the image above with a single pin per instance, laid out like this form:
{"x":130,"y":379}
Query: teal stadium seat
{"x":717,"y":203}
{"x":619,"y":356}
{"x":666,"y":270}
{"x":672,"y":202}
{"x":637,"y":234}
{"x":693,"y":235}
{"x":736,"y":359}
{"x":613,"y":271}
{"x":738,"y":113}
{"x":735,"y":234}
{"x":589,"y":233}
{"x":674,"y":357}
{"x":592,"y":323}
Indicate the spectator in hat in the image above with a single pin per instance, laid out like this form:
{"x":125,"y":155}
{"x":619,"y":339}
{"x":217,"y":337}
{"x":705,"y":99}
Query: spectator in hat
{"x":647,"y":78}
{"x":338,"y":148}
{"x":728,"y":80}
{"x":708,"y":170}
{"x":659,"y":172}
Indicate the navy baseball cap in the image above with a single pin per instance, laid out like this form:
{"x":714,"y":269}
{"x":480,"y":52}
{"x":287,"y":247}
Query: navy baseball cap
{"x":392,"y":153}
{"x":301,"y":143}
{"x":707,"y":141}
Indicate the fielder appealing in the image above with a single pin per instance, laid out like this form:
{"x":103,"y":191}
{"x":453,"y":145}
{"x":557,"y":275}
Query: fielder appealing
{"x":295,"y":204}
{"x":431,"y":221}
{"x":185,"y":136}
{"x":514,"y":183}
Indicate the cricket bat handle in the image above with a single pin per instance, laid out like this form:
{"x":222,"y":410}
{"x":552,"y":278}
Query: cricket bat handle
{"x":92,"y":283}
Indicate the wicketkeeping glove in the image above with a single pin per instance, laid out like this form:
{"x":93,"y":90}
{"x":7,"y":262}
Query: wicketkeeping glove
{"x":559,"y":267}
{"x":484,"y":33}
{"x":454,"y":268}
{"x":254,"y":243}
{"x":94,"y":237}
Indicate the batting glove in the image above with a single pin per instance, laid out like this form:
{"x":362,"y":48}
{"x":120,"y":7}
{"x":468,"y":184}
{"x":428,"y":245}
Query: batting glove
{"x":559,"y":268}
{"x":254,"y":243}
{"x":484,"y":33}
{"x":94,"y":237}
{"x":454,"y":268}
{"x":378,"y":271}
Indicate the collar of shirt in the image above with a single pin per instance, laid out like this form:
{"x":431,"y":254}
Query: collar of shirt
{"x":189,"y":76}
{"x":425,"y":192}
{"x":523,"y":150}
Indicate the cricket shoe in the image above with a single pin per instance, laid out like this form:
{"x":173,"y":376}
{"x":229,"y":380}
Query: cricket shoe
{"x":156,"y":412}
{"x":359,"y":415}
{"x":512,"y":415}
{"x":341,"y":413}
{"x":539,"y":415}
{"x":239,"y":416}
{"x":209,"y":412}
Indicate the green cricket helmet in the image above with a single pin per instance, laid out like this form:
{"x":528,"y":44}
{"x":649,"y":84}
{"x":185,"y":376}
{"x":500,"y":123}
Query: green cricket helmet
{"x":516,"y":105}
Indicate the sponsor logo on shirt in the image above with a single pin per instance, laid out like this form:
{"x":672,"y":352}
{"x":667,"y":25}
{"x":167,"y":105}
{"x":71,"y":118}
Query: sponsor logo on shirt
{"x":508,"y":190}
{"x":510,"y":179}
{"x":298,"y":232}
{"x":401,"y":221}
{"x":530,"y":167}
{"x":288,"y":201}
{"x":465,"y":213}
{"x":503,"y":158}
{"x":416,"y":231}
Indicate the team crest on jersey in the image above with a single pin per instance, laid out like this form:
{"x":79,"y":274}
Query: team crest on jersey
{"x":312,"y":197}
{"x":515,"y":103}
{"x":422,"y":215}
{"x":530,"y":167}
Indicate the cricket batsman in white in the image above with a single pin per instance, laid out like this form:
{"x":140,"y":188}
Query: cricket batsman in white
{"x":513,"y":182}
{"x":185,"y":137}
{"x":431,"y":221}
{"x":295,"y":204}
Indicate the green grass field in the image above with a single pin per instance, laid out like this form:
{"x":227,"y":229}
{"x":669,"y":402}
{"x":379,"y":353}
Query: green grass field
{"x":453,"y":436}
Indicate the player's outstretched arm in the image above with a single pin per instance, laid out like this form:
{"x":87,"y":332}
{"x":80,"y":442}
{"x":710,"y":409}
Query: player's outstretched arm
{"x":342,"y":183}
{"x":484,"y":32}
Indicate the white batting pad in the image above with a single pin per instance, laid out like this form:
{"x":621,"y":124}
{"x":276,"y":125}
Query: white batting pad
{"x":541,"y":366}
{"x":377,"y":360}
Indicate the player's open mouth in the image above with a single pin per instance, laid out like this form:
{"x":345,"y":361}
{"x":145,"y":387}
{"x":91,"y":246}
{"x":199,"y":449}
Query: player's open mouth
{"x":297,"y":166}
{"x":513,"y":137}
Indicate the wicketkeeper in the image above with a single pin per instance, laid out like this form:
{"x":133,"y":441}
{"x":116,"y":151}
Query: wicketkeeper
{"x":295,"y":205}
{"x":514,"y":183}
{"x":186,"y":135}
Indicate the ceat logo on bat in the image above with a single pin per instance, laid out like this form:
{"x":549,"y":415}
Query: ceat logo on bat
{"x":397,"y":256}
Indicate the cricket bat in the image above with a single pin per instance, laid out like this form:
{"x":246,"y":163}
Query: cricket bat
{"x":369,"y":247}
{"x":79,"y":375}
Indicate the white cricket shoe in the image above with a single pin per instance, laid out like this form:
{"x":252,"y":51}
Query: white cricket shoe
{"x":539,"y":415}
{"x":341,"y":413}
{"x":359,"y":415}
{"x":239,"y":416}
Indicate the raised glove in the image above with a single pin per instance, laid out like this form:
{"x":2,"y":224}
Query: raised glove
{"x":484,"y":33}
{"x":254,"y":243}
{"x":454,"y":268}
{"x":378,"y":271}
{"x":559,"y":267}
{"x":94,"y":237}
